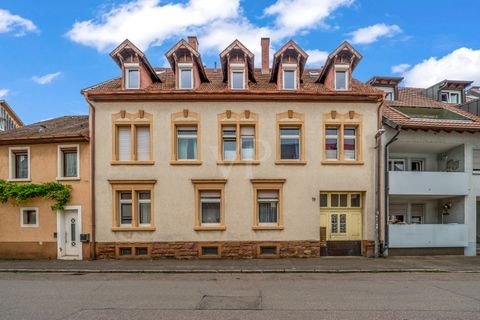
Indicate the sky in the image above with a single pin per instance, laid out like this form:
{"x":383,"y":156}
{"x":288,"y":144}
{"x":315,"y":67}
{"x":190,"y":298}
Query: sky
{"x":50,"y":50}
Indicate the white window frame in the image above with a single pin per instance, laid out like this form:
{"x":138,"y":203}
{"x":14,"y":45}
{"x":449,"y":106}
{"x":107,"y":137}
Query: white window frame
{"x":289,"y":68}
{"x":181,"y":67}
{"x":422,"y":161}
{"x":24,"y":225}
{"x":237,"y":68}
{"x":389,"y":91}
{"x":131,"y":67}
{"x":291,"y":136}
{"x":210,"y":200}
{"x":229,"y":138}
{"x":449,"y":94}
{"x":120,"y":201}
{"x":11,"y":164}
{"x":354,"y":140}
{"x":391,"y":164}
{"x":242,"y":136}
{"x":60,"y":163}
{"x":140,"y":201}
{"x":336,"y":137}
{"x":341,"y":68}
{"x":188,"y":136}
{"x":268,"y":200}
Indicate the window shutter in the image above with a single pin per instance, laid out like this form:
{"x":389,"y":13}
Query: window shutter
{"x":124,"y":143}
{"x":476,"y":160}
{"x":143,"y":143}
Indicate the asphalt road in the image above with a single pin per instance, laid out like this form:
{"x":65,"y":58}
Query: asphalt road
{"x":240,"y":296}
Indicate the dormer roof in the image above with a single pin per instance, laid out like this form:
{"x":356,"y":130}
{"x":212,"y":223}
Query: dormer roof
{"x":452,"y":84}
{"x":171,"y":57}
{"x":277,"y":58}
{"x":237,"y":45}
{"x":126,"y":49}
{"x":345,"y":49}
{"x":384,"y":80}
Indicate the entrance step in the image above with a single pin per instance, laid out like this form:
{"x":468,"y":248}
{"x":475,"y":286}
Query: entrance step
{"x":344,"y":248}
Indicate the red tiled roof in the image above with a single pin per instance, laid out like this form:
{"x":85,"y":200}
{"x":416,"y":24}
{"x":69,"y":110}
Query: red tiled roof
{"x":412,"y":97}
{"x":216,"y":83}
{"x":66,"y":128}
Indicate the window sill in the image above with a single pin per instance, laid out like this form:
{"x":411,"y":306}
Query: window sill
{"x":131,"y":162}
{"x":342,"y":162}
{"x":238,"y":162}
{"x":68,"y":178}
{"x":133,"y":228}
{"x":297,"y":162}
{"x":267,"y":227}
{"x":209,"y":228}
{"x":19,"y":180}
{"x":186,"y":162}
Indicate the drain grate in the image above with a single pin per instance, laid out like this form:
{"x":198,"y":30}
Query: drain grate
{"x":230,"y":303}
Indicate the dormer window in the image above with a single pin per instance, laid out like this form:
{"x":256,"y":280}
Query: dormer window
{"x":237,"y":76}
{"x":341,"y":78}
{"x":289,"y":76}
{"x":132,"y":76}
{"x":185,"y":75}
{"x":450,"y":97}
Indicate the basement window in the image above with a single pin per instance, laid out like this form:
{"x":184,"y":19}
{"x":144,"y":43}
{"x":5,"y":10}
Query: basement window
{"x":268,"y":251}
{"x":209,"y":251}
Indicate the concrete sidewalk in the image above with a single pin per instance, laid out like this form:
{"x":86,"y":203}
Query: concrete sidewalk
{"x":311,"y":265}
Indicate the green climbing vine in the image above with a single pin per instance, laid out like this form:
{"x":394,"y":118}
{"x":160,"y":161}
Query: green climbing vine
{"x":20,"y":193}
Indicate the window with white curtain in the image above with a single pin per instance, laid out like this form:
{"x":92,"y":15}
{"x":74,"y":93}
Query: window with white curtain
{"x":144,"y":207}
{"x":187,"y":143}
{"x":267,"y":202}
{"x":238,"y":79}
{"x":229,"y":137}
{"x":247,"y":140}
{"x":68,"y":161}
{"x":210,"y":207}
{"x":289,"y":143}
{"x":331,"y":143}
{"x":125,"y":208}
{"x":143,"y":143}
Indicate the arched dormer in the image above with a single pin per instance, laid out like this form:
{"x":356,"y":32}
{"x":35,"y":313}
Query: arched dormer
{"x":288,"y":65}
{"x":237,"y":66}
{"x":186,"y":64}
{"x":137,"y":73}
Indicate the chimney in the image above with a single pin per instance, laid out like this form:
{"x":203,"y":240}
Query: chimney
{"x":193,"y":42}
{"x":265,"y":43}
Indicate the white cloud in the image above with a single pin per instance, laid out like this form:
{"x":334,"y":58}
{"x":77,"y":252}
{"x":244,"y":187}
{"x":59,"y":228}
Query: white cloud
{"x":216,"y":22}
{"x":372,"y":33}
{"x":46,"y":79}
{"x":14,"y":23}
{"x":295,"y":15}
{"x":316,"y":58}
{"x":400,"y":68}
{"x":3,"y":92}
{"x":461,"y":64}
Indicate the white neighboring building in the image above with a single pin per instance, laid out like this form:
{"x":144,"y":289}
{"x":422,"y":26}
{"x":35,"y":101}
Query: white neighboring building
{"x":8,"y":118}
{"x":432,"y":173}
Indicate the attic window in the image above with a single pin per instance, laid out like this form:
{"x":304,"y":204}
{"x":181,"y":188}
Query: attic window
{"x":132,"y":76}
{"x":341,"y":77}
{"x":237,"y":76}
{"x":289,"y":76}
{"x":450,"y":97}
{"x":185,"y":74}
{"x":390,"y":93}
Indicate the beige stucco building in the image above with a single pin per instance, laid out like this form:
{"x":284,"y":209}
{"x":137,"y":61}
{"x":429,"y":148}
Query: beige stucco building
{"x":234,"y":162}
{"x":54,"y":150}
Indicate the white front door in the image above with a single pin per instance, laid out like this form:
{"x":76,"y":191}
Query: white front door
{"x":68,"y":234}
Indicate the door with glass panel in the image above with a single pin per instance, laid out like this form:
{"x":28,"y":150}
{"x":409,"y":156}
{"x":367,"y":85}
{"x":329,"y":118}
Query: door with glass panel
{"x":341,"y":216}
{"x":71,"y":233}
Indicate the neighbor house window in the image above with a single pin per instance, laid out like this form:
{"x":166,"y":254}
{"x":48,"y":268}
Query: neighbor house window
{"x":185,"y":76}
{"x":132,"y":76}
{"x":237,"y":76}
{"x":19,"y":163}
{"x":187,"y":143}
{"x":237,"y":138}
{"x":450,"y":97}
{"x":341,"y":77}
{"x":209,"y":204}
{"x":476,"y":161}
{"x":132,"y":138}
{"x":417,"y":165}
{"x":289,"y":77}
{"x":133,"y":207}
{"x":268,"y":203}
{"x":396,"y":165}
{"x":68,"y":162}
{"x":290,"y":138}
{"x":28,"y":217}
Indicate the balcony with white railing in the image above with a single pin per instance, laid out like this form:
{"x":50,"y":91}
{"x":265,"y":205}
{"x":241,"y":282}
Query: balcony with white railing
{"x":428,"y":183}
{"x":427,"y":235}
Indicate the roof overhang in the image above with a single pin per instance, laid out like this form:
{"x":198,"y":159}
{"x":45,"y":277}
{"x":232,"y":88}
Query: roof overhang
{"x":171,"y":57}
{"x":384,"y":80}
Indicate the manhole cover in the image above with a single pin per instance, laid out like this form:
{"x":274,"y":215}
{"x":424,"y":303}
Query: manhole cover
{"x":230,"y":303}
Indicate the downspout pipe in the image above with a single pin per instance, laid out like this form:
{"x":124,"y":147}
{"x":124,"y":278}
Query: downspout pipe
{"x":387,"y":188}
{"x":378,"y":180}
{"x":93,"y":249}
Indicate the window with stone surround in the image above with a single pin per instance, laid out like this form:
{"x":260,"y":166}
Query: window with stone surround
{"x":267,"y":204}
{"x":209,"y":204}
